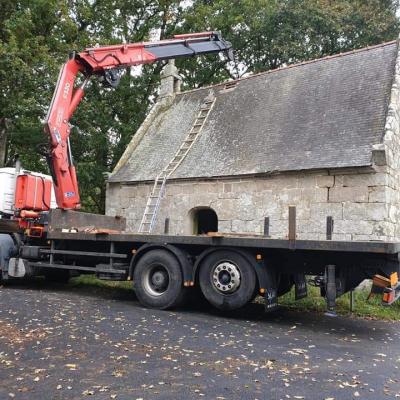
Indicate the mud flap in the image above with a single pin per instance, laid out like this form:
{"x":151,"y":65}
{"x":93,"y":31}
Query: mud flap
{"x":270,"y":299}
{"x":300,"y":286}
{"x":271,"y":292}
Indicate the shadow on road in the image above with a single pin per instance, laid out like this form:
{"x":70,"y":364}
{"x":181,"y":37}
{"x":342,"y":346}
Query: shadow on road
{"x":254,"y":312}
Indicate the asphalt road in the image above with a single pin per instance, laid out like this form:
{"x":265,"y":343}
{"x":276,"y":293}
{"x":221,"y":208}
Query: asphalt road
{"x":63,"y":343}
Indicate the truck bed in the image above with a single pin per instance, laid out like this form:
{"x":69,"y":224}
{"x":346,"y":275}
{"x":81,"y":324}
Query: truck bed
{"x":234,"y":241}
{"x":101,"y":228}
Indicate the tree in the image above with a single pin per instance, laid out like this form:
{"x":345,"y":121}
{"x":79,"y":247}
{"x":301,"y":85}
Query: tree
{"x":268,"y":34}
{"x":36,"y":38}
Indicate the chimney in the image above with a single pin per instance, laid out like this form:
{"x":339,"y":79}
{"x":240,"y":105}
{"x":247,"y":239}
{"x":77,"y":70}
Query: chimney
{"x":170,"y":80}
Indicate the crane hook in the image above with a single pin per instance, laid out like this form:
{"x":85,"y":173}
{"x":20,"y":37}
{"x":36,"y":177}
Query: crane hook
{"x":112,"y":77}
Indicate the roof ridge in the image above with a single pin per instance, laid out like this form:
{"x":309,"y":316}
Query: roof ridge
{"x":299,"y":64}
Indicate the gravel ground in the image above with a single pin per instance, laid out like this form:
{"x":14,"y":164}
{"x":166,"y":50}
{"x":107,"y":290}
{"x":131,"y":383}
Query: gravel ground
{"x":73,"y":343}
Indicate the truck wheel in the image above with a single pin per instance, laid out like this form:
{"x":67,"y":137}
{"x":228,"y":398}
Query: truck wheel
{"x":158,"y":281}
{"x":57,"y":276}
{"x":227,"y":280}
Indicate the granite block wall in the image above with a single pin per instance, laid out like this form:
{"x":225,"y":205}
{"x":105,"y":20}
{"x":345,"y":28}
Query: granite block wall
{"x":358,"y":203}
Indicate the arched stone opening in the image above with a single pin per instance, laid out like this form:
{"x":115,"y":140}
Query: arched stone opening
{"x":204,"y":220}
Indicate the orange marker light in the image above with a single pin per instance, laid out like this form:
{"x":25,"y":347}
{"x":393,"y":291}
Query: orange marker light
{"x":394,"y":279}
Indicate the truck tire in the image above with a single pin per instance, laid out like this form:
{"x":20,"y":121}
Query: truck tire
{"x":227,"y":280}
{"x":158,"y":280}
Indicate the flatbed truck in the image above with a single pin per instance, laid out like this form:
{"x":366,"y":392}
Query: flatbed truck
{"x":229,"y":270}
{"x":166,"y":270}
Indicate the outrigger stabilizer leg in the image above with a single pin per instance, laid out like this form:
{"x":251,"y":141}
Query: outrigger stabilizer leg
{"x":330,"y":290}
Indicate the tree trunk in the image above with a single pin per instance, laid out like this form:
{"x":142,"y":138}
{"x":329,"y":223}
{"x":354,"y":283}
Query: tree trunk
{"x":3,"y":141}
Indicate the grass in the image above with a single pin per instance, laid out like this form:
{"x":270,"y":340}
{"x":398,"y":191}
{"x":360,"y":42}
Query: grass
{"x":362,"y":308}
{"x":313,"y":302}
{"x":93,"y":282}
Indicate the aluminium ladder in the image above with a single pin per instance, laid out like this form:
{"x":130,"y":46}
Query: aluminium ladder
{"x":157,"y":193}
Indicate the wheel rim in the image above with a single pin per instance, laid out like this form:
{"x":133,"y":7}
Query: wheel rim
{"x":225,"y":277}
{"x":155,"y":280}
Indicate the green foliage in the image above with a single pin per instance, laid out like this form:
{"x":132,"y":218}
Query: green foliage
{"x":268,"y":34}
{"x":36,"y":37}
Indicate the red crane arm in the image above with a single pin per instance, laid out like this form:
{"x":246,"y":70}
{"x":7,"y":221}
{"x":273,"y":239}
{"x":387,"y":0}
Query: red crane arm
{"x":105,"y":61}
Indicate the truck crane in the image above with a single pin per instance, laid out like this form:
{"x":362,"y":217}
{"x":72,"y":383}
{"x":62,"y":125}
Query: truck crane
{"x":38,"y":240}
{"x":106,"y":62}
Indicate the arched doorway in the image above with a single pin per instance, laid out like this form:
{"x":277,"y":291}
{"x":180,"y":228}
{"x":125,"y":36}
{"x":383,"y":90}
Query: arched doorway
{"x":204,"y":220}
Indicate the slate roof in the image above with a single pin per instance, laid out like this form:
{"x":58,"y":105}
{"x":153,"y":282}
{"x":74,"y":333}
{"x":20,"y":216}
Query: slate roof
{"x":322,"y":114}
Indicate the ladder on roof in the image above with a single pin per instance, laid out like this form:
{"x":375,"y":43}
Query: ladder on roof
{"x":157,"y":193}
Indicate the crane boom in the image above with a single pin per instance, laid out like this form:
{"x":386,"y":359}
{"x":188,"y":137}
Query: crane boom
{"x":106,"y":61}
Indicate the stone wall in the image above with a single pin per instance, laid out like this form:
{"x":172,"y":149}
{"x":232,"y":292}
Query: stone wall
{"x":357,"y":201}
{"x":390,"y":165}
